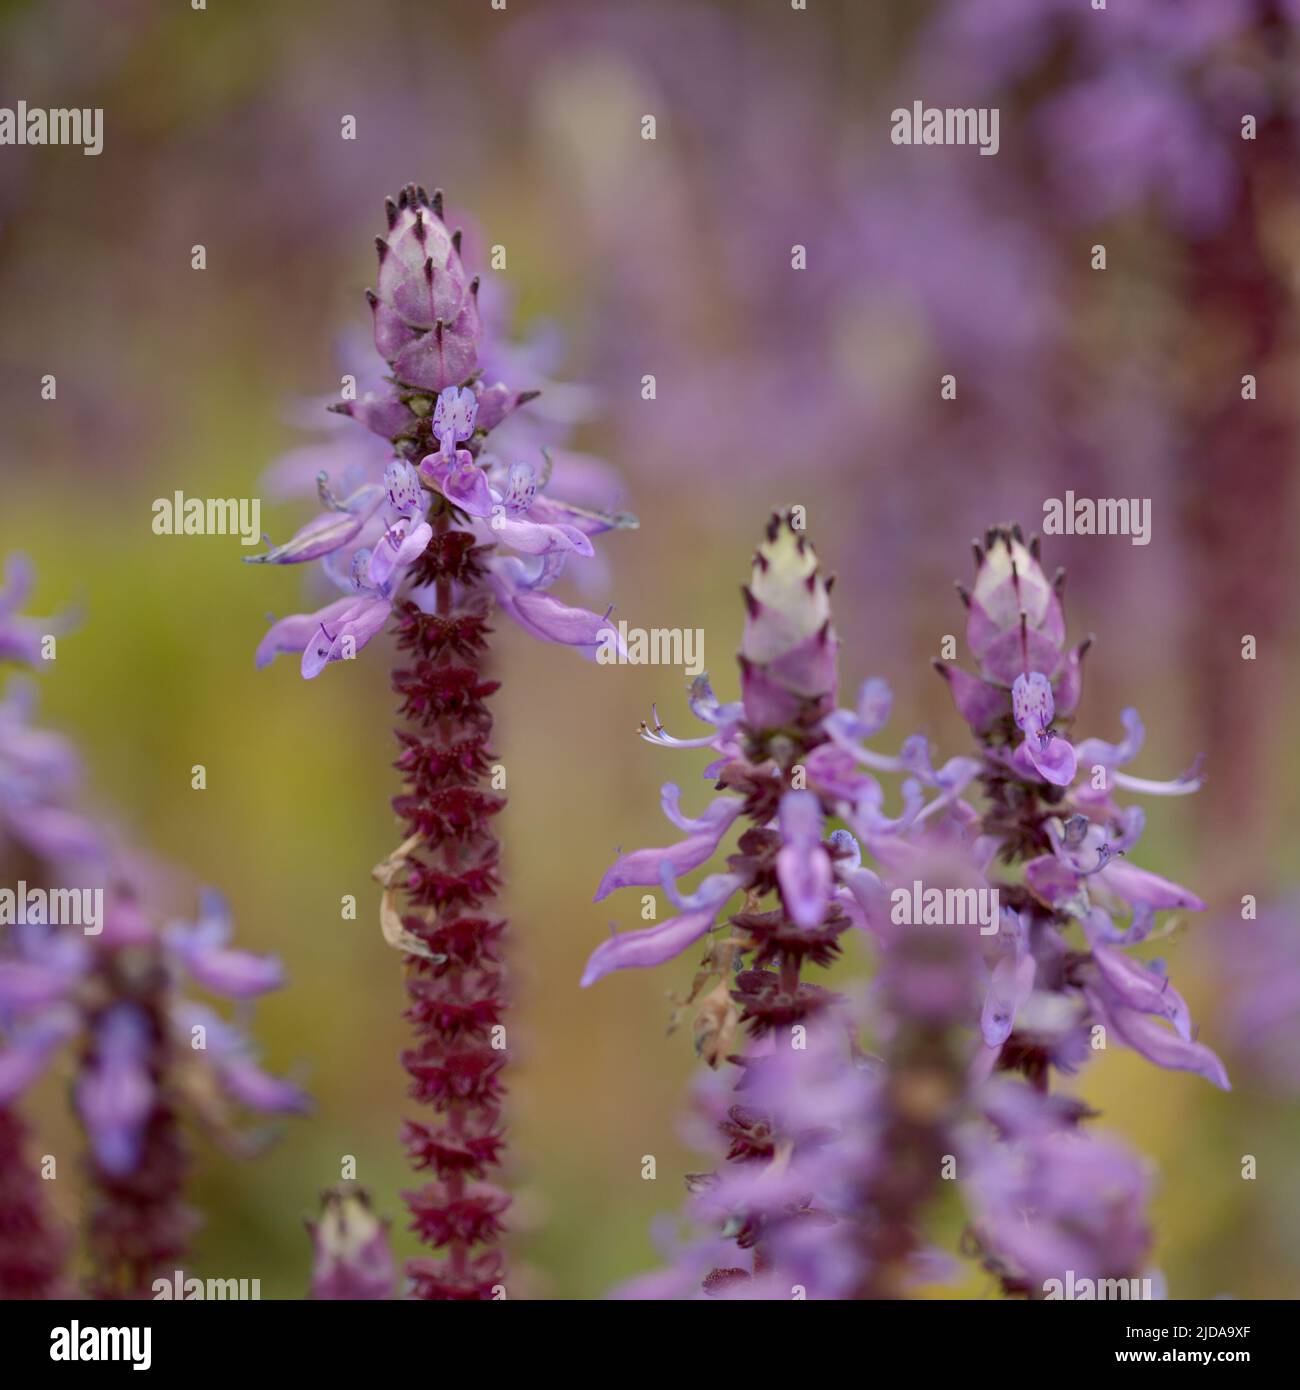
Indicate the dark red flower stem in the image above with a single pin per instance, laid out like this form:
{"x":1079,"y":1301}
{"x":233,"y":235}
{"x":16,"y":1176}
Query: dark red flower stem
{"x":456,"y":996}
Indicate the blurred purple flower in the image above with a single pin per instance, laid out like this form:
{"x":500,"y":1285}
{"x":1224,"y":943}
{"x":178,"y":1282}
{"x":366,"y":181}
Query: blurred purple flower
{"x":1049,"y":1203}
{"x":350,"y":1245}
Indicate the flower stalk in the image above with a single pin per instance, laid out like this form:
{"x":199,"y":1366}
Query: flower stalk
{"x":455,"y":985}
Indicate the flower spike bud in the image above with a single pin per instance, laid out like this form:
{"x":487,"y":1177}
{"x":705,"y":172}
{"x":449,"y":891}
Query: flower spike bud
{"x":425,"y":311}
{"x":788,"y":652}
{"x":352,"y":1259}
{"x":1014,"y":620}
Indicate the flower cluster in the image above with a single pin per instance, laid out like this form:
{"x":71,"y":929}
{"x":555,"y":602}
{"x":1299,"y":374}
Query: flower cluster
{"x":113,"y":992}
{"x":1052,"y":810}
{"x":788,"y":760}
{"x":452,"y":530}
{"x":434,"y":413}
{"x":976,"y":972}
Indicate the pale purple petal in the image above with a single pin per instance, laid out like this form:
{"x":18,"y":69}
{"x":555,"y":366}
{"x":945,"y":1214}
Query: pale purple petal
{"x":294,"y":633}
{"x":1158,"y":1044}
{"x":1142,"y":887}
{"x":460,"y":481}
{"x":345,"y":634}
{"x":643,"y":867}
{"x":116,"y":1094}
{"x":650,"y":946}
{"x":1010,"y":985}
{"x":803,"y":868}
{"x":544,"y":616}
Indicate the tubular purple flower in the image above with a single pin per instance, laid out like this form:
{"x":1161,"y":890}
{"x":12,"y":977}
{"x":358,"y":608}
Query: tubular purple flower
{"x":1094,"y":753}
{"x":344,"y":632}
{"x":1048,"y":753}
{"x":453,"y":418}
{"x":705,"y":832}
{"x":460,"y":480}
{"x":803,"y":868}
{"x":40,"y":774}
{"x":42,"y":968}
{"x":203,"y":949}
{"x":22,"y":638}
{"x":232,"y":1059}
{"x":115,"y":1094}
{"x":650,"y":946}
{"x":519,"y":592}
{"x":1138,"y":1030}
{"x":331,"y":531}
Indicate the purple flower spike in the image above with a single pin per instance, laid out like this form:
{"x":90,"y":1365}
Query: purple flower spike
{"x":1016,"y":628}
{"x":458,"y":538}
